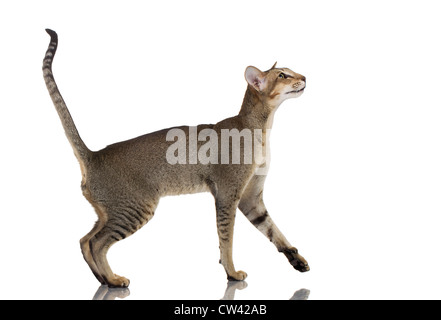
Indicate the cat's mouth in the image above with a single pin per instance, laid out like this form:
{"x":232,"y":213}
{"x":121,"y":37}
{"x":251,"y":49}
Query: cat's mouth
{"x":296,"y":91}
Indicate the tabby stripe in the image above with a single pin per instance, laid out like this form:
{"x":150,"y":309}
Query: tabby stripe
{"x":125,"y":228}
{"x":224,"y":224}
{"x":249,"y":211}
{"x":137,"y":213}
{"x":269,"y":233}
{"x":123,"y":236}
{"x":146,"y":216}
{"x":51,"y":77}
{"x":222,"y":219}
{"x":127,"y":219}
{"x":127,"y":214}
{"x":222,"y":208}
{"x":224,"y":230}
{"x":257,"y":221}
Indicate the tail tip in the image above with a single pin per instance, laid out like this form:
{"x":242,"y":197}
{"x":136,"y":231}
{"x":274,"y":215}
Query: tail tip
{"x":52,"y":33}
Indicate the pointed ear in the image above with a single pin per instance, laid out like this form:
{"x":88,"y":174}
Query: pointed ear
{"x":273,"y":65}
{"x":255,"y":78}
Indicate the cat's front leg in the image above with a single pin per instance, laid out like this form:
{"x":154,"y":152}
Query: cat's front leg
{"x":225,"y":215}
{"x":252,"y":206}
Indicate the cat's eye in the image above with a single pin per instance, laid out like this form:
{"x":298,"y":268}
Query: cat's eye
{"x":282,"y":75}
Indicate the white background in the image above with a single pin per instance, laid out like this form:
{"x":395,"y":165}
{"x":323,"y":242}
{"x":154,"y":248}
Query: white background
{"x":355,"y":182}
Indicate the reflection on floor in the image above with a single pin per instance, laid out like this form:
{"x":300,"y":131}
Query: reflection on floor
{"x":232,"y":286}
{"x":106,"y":293}
{"x":302,"y":294}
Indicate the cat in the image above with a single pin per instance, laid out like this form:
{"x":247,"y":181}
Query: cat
{"x":125,"y":180}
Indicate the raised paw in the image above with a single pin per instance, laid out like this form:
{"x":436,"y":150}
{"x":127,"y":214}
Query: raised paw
{"x":237,"y":276}
{"x":118,"y":282}
{"x":297,"y":261}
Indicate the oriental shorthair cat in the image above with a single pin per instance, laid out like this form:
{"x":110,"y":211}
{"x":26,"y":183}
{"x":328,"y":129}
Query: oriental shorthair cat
{"x":124,"y":181}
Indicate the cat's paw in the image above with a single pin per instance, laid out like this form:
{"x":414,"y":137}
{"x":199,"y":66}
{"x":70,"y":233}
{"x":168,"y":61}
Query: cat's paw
{"x":237,"y":276}
{"x":296,"y":260}
{"x":118,"y":282}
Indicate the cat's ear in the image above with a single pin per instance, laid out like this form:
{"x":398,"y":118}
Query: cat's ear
{"x":274,"y":65}
{"x":255,"y":78}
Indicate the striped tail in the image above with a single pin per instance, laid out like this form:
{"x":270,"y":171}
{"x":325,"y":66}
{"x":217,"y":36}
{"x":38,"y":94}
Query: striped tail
{"x":80,"y":149}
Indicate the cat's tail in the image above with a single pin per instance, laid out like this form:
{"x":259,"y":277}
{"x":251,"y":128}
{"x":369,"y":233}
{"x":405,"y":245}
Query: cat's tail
{"x":80,"y":149}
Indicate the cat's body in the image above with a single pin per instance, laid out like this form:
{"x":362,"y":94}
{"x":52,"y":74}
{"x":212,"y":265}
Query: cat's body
{"x":125,"y":181}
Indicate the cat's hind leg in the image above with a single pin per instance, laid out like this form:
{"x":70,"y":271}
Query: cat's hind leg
{"x":85,"y":241}
{"x":87,"y":254}
{"x":123,"y":220}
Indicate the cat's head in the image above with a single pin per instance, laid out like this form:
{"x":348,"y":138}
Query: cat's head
{"x":275,"y":85}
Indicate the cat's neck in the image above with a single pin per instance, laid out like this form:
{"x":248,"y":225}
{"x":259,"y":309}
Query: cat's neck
{"x":255,"y":113}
